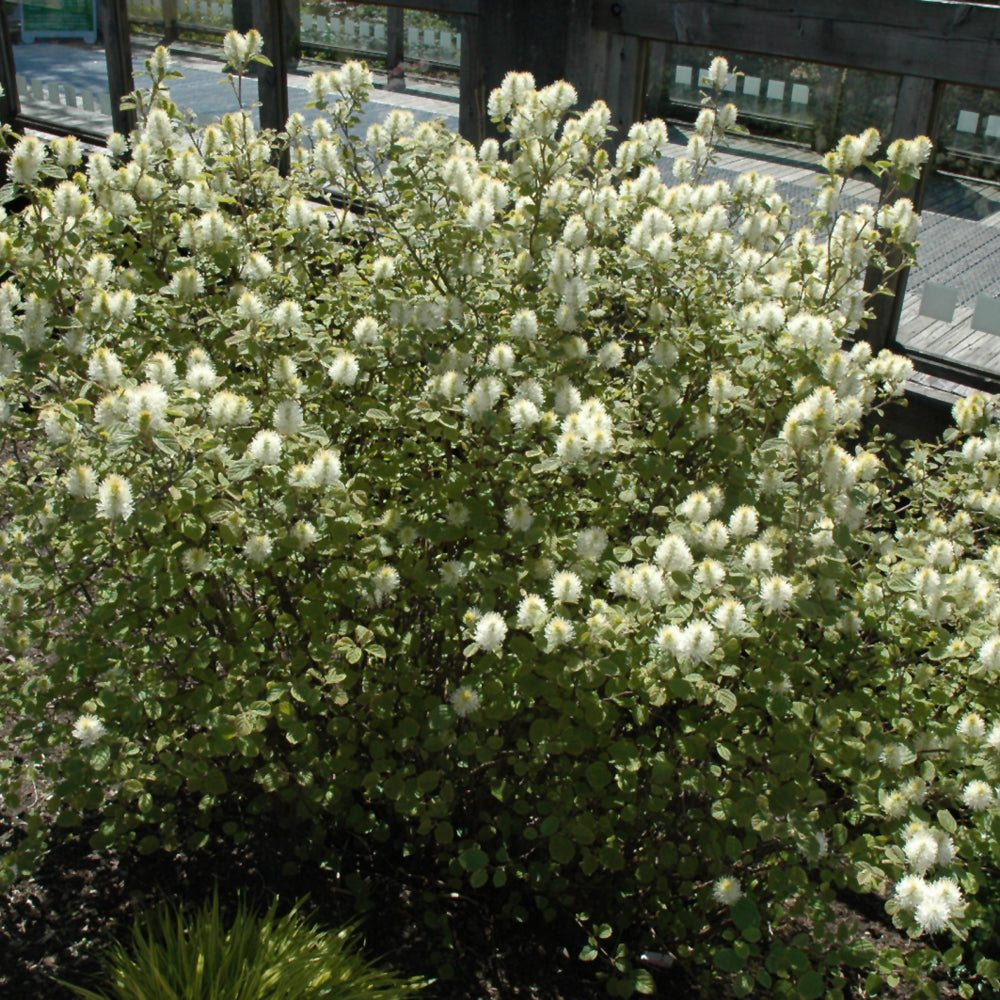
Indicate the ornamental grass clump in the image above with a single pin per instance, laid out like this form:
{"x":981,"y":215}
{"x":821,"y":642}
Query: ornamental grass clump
{"x":527,"y":526}
{"x":248,"y":956}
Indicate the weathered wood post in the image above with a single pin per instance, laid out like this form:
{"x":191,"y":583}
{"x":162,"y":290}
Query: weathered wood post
{"x":118,"y":54}
{"x":272,"y":81}
{"x":394,"y":45}
{"x":918,"y":106}
{"x":293,"y":30}
{"x":243,"y":16}
{"x":169,"y":8}
{"x":10,"y":102}
{"x":536,"y":36}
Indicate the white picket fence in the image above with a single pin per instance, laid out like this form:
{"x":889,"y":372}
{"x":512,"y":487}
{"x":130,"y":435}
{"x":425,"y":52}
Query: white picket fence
{"x":348,"y":35}
{"x":216,"y":14}
{"x":64,"y":96}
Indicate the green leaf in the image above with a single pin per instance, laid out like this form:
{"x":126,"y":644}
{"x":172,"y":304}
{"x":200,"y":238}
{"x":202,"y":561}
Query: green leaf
{"x":728,"y":961}
{"x":726,"y":700}
{"x":562,"y":849}
{"x":947,"y":821}
{"x":811,"y":985}
{"x":473,"y":859}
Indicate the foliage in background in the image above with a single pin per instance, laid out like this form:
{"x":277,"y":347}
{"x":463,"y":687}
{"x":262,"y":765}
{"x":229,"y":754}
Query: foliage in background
{"x":518,"y":523}
{"x":250,"y":956}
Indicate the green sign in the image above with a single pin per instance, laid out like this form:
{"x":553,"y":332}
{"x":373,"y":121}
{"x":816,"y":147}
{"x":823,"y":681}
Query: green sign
{"x":59,"y":19}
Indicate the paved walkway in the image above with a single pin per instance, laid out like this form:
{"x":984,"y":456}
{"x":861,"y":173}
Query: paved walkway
{"x":960,"y":241}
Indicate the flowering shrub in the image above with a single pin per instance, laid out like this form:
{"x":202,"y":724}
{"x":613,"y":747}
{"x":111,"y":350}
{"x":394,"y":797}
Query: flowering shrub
{"x":517,"y":518}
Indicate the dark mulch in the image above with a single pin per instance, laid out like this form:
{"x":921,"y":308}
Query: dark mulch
{"x":56,"y":923}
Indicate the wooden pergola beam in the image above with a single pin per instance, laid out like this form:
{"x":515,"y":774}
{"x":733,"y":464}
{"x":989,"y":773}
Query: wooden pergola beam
{"x":933,"y":39}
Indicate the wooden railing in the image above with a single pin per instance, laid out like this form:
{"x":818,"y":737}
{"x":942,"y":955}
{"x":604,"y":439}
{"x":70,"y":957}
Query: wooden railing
{"x":319,"y":29}
{"x":604,"y":48}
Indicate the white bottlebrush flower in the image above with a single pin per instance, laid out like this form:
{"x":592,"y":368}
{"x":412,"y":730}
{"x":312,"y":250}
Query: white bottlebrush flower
{"x":200,"y":377}
{"x":978,"y":796}
{"x":714,"y":537}
{"x":894,"y":803}
{"x":519,"y":517}
{"x":558,"y":632}
{"x":727,"y":890}
{"x":227,"y":409}
{"x":265,"y":448}
{"x":343,"y":370}
{"x":989,"y":654}
{"x":524,"y":325}
{"x":325,"y":470}
{"x":566,"y":587}
{"x":571,"y":447}
{"x":910,"y":891}
{"x":941,"y":553}
{"x":945,"y":848}
{"x":114,"y":499}
{"x":921,"y":851}
{"x":491,"y":630}
{"x":709,"y":575}
{"x":366,"y":331}
{"x":992,"y":739}
{"x":81,"y":482}
{"x":288,"y":419}
{"x":385,"y":582}
{"x":88,"y":729}
{"x":972,"y":727}
{"x":258,"y":548}
{"x":105,"y":368}
{"x":453,"y":572}
{"x":674,"y":555}
{"x":896,"y":756}
{"x":532,"y":612}
{"x":287,"y":315}
{"x":611,"y":355}
{"x":256,"y":268}
{"x":249,"y":307}
{"x":591,"y":543}
{"x":59,"y":426}
{"x":673,"y":640}
{"x":186,"y":283}
{"x":523,"y":413}
{"x":933,"y":912}
{"x":758,"y":558}
{"x":304,"y":534}
{"x":383,"y":270}
{"x":699,"y":641}
{"x":730,"y":617}
{"x":26,"y":160}
{"x":502,"y":357}
{"x":146,"y":406}
{"x":464,"y":700}
{"x":483,"y":397}
{"x":776,"y":594}
{"x":196,"y":561}
{"x":162,"y":369}
{"x":646,"y":585}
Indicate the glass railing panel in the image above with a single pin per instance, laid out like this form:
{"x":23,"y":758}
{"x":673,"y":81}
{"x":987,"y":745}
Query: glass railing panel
{"x":792,"y":101}
{"x":414,"y":56}
{"x":193,"y":31}
{"x":61,"y":70}
{"x":969,"y":132}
